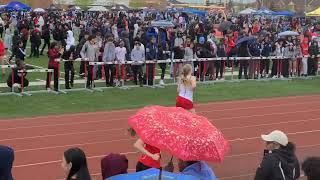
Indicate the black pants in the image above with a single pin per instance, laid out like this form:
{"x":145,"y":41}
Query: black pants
{"x":243,"y":67}
{"x":109,"y":73}
{"x":312,"y":66}
{"x":219,"y":68}
{"x":46,"y":44}
{"x":265,"y":64}
{"x":25,"y":82}
{"x":141,"y":167}
{"x":34,"y":50}
{"x":82,"y":65}
{"x":55,"y":77}
{"x":285,"y":68}
{"x":69,"y":74}
{"x":137,"y":71}
{"x":90,"y":78}
{"x":150,"y":73}
{"x":275,"y":67}
{"x":163,"y":67}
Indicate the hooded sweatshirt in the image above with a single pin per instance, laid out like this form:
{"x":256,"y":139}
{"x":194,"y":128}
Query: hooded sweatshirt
{"x":280,"y":164}
{"x":70,"y":40}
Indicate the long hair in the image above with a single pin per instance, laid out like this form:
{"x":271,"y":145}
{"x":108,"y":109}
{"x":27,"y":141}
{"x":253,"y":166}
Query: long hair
{"x":79,"y":164}
{"x":185,"y":80}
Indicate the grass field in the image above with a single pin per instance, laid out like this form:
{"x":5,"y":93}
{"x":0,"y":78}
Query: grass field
{"x":110,"y":99}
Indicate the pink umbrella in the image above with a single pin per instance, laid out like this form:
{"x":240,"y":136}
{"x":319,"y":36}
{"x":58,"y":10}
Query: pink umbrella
{"x":184,"y":135}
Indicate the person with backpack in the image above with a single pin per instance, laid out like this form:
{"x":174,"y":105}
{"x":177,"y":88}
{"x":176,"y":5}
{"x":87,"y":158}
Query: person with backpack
{"x":279,"y":161}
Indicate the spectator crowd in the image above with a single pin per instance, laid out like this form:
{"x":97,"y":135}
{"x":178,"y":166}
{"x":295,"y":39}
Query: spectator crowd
{"x":118,"y":37}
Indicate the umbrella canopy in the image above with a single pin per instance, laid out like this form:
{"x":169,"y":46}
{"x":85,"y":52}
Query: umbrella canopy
{"x":225,"y":26}
{"x":247,"y":11}
{"x":152,"y":174}
{"x":288,"y":33}
{"x":284,"y":13}
{"x":17,"y":6}
{"x":53,"y":7}
{"x":314,"y":13}
{"x":187,"y":136}
{"x":119,"y":7}
{"x":39,"y":10}
{"x":75,"y":8}
{"x":162,"y":23}
{"x":98,"y":9}
{"x":245,"y":39}
{"x":150,"y":10}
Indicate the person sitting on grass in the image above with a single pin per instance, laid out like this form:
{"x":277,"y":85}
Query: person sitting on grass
{"x":17,"y":76}
{"x":74,"y":163}
{"x":311,"y":168}
{"x":114,"y":164}
{"x":6,"y":162}
{"x":150,"y":157}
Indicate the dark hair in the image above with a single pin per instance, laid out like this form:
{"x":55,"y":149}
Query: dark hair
{"x":311,"y":168}
{"x":91,"y":37}
{"x":79,"y":164}
{"x":53,"y":44}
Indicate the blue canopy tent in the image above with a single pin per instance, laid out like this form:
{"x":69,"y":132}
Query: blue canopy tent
{"x":17,"y":6}
{"x":284,"y":13}
{"x":195,"y":12}
{"x":152,"y":174}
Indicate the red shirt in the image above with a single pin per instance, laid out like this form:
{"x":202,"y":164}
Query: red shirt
{"x":305,"y":49}
{"x":148,"y":161}
{"x":2,"y":50}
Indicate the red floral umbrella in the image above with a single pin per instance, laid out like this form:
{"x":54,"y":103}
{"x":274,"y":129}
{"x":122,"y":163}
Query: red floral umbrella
{"x":185,"y":135}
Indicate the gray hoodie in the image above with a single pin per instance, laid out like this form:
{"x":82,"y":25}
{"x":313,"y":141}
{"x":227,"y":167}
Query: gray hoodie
{"x":109,"y":53}
{"x":89,"y":51}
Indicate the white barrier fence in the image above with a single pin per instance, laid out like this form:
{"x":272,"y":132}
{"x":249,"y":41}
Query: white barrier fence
{"x":173,"y":63}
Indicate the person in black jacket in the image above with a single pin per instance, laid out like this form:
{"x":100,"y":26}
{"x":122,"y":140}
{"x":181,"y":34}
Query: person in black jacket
{"x":6,"y":163}
{"x":35,"y":40}
{"x":313,"y":62}
{"x":68,"y":66}
{"x":279,"y":161}
{"x":46,"y":37}
{"x":18,"y":52}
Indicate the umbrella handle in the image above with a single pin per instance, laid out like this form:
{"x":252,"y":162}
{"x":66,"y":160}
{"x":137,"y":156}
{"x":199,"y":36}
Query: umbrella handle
{"x":160,"y":173}
{"x":171,"y":159}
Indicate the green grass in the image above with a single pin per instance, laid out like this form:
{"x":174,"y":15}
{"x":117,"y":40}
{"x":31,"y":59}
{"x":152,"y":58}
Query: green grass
{"x":110,"y":99}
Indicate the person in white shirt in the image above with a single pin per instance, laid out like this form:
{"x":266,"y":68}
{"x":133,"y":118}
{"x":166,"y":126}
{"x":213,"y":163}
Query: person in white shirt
{"x":186,"y":87}
{"x":121,"y":52}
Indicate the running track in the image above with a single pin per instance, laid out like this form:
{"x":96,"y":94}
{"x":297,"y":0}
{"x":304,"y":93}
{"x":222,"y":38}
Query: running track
{"x":40,"y":142}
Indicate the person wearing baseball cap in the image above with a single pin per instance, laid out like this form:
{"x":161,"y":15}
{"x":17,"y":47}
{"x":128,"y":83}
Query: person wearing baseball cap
{"x":6,"y":162}
{"x":279,"y":161}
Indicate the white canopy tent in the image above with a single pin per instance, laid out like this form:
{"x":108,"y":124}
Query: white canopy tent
{"x":247,"y":11}
{"x":98,"y":9}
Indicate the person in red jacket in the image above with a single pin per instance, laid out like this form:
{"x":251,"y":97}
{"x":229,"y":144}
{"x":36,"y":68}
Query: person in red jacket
{"x":54,"y":52}
{"x":2,"y":53}
{"x":305,"y":52}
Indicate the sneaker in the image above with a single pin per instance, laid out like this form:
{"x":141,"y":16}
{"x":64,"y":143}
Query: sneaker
{"x":161,"y":82}
{"x":281,"y":76}
{"x":222,"y":79}
{"x":48,"y":89}
{"x":274,"y":77}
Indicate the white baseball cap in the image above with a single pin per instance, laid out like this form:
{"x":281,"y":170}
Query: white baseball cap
{"x":276,"y":136}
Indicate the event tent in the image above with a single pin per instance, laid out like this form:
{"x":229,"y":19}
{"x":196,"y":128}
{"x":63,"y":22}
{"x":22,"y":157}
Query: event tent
{"x":17,"y":6}
{"x":314,"y":13}
{"x":247,"y":11}
{"x":283,"y":13}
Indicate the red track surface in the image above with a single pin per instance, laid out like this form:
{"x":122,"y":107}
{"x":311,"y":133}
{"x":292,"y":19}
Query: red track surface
{"x":40,"y":142}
